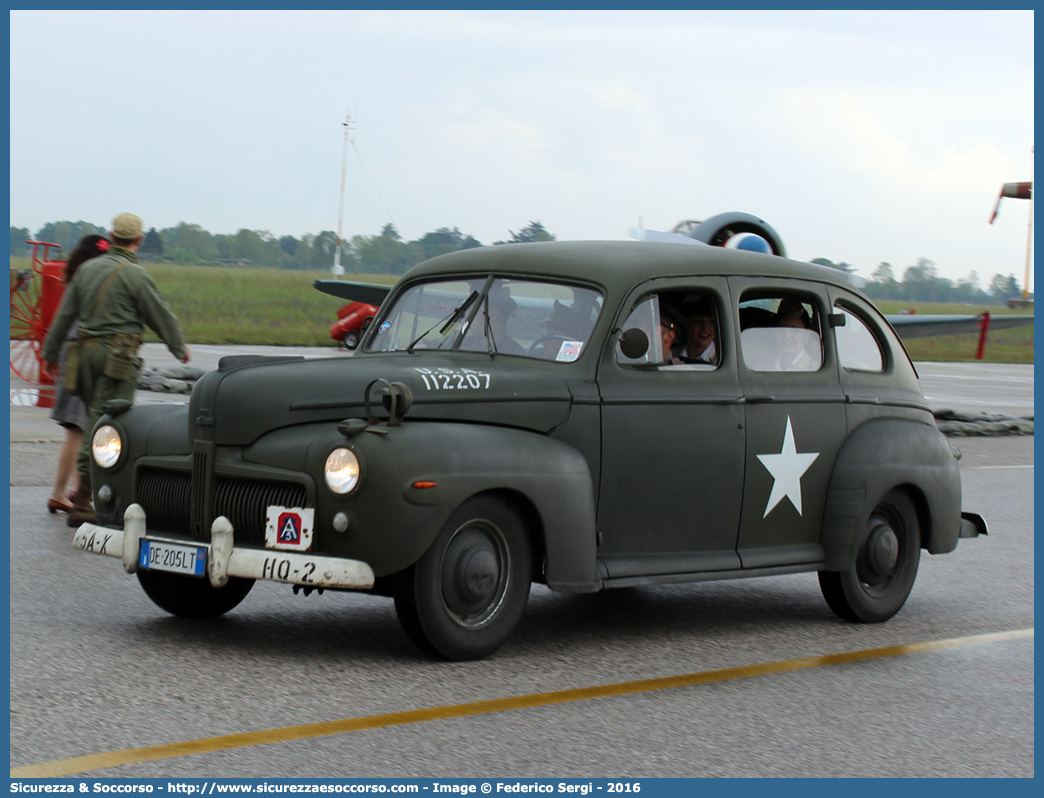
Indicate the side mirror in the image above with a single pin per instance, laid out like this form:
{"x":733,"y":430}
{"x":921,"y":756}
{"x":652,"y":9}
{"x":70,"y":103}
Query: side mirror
{"x":366,"y":324}
{"x":836,"y":319}
{"x":634,"y":343}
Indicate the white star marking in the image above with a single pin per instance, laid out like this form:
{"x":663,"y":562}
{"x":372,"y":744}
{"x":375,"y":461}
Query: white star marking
{"x":786,"y":468}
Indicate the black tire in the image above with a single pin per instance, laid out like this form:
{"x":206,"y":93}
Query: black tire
{"x":875,"y":588}
{"x":351,"y":340}
{"x":190,"y":596}
{"x":462,"y":599}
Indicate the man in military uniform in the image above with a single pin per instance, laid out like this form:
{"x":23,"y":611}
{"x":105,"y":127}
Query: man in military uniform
{"x":671,"y":327}
{"x":113,"y":297}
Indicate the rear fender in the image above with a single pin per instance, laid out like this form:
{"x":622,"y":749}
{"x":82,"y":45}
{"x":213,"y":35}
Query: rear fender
{"x":882,"y":454}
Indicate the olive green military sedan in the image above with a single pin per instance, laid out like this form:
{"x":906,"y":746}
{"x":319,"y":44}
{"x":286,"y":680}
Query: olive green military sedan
{"x":586,"y":415}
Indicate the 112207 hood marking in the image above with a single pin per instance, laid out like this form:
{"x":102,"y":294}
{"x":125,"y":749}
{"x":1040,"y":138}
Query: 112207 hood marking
{"x":454,"y":379}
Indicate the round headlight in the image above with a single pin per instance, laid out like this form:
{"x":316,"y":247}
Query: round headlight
{"x":106,"y":446}
{"x":342,"y":471}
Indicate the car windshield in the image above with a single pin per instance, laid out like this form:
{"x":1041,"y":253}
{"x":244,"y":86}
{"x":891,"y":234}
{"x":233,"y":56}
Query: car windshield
{"x":502,"y":316}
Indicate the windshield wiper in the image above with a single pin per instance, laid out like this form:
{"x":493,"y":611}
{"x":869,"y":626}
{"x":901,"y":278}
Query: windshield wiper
{"x":491,"y":343}
{"x":449,"y":320}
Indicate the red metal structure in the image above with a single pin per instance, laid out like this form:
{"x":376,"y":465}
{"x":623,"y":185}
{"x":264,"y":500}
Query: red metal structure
{"x":984,"y":328}
{"x":348,"y":327}
{"x":36,"y":293}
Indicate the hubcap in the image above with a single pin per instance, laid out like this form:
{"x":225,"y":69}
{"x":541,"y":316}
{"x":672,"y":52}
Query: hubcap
{"x":882,"y":550}
{"x":475,"y":573}
{"x":879,"y":557}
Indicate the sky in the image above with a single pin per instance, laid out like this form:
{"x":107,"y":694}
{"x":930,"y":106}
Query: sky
{"x":860,"y":137}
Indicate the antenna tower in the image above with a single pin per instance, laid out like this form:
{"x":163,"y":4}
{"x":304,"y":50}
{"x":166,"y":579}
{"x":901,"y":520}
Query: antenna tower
{"x":337,"y":269}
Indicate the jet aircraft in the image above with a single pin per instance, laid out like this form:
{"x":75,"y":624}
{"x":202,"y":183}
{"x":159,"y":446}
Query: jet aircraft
{"x":734,"y":230}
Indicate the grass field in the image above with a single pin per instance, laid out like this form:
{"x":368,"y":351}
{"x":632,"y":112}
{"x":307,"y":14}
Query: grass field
{"x":275,"y":307}
{"x":1003,"y":346}
{"x":219,"y":305}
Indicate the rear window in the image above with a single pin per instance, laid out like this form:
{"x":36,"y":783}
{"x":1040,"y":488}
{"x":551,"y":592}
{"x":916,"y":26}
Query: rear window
{"x":857,"y":347}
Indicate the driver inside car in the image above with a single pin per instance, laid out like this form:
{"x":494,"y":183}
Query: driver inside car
{"x":671,"y":328}
{"x":565,"y":326}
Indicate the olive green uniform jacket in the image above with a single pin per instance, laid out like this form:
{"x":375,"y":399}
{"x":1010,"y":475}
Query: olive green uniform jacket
{"x":130,"y":302}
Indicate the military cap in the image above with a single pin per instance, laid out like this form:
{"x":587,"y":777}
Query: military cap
{"x":127,"y":226}
{"x":698,"y":305}
{"x":671,"y":319}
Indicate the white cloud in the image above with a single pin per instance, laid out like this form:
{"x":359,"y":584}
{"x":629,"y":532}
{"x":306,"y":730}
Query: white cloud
{"x":861,"y":136}
{"x":882,"y":135}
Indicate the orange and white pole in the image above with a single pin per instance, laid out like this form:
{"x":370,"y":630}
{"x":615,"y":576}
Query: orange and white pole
{"x":337,"y":269}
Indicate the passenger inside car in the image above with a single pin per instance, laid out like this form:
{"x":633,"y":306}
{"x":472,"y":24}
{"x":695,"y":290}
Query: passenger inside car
{"x":779,"y":334}
{"x":796,"y":341}
{"x":701,"y":341}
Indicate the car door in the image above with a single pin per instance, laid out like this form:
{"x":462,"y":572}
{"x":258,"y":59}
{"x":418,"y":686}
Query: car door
{"x":672,"y":447}
{"x":795,"y":418}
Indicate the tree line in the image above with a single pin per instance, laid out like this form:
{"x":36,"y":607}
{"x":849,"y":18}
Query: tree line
{"x":384,"y":253}
{"x":387,"y":253}
{"x":922,"y":283}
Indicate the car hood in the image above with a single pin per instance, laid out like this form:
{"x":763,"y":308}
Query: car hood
{"x":248,"y":396}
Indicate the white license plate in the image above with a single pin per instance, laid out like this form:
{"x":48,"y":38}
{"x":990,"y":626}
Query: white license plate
{"x":174,"y":557}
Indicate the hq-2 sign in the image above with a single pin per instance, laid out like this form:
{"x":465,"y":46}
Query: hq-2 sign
{"x":550,"y":413}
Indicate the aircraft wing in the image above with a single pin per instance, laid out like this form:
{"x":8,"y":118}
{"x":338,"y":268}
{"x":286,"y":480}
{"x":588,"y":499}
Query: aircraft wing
{"x":915,"y":326}
{"x":642,"y":234}
{"x":370,"y":293}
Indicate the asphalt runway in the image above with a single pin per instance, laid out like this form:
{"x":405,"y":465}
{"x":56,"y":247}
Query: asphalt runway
{"x":97,"y":668}
{"x":978,"y":387}
{"x":972,"y":387}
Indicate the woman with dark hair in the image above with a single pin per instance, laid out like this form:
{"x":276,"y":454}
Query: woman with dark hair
{"x":69,"y":411}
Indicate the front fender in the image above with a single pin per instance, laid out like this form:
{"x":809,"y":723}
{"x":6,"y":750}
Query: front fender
{"x":880,"y":455}
{"x":392,"y":522}
{"x":144,"y":429}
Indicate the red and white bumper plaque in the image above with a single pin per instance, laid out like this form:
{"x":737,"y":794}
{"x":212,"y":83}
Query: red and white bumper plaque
{"x":289,"y":528}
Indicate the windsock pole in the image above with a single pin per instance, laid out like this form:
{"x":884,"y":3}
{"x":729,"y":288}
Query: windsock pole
{"x":337,"y":269}
{"x":1029,"y":233}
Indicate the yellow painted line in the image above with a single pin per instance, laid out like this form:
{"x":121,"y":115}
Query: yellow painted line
{"x":83,"y":764}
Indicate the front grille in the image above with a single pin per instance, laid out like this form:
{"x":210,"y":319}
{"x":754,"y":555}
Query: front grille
{"x":245,"y":503}
{"x":199,"y":527}
{"x":166,"y":498}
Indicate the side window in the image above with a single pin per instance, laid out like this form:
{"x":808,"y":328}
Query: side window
{"x":857,"y":347}
{"x":780,"y":332}
{"x":682,"y":328}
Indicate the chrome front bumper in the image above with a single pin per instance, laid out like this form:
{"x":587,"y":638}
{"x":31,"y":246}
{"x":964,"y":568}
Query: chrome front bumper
{"x":224,"y":559}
